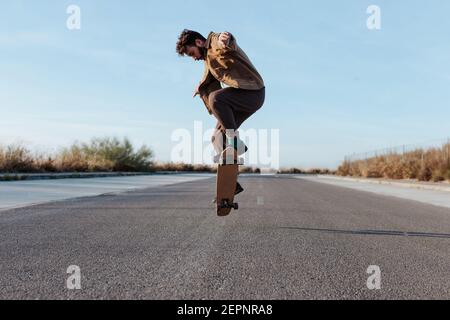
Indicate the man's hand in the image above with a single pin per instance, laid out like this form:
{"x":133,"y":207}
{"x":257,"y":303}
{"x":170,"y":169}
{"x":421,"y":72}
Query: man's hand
{"x":224,"y":39}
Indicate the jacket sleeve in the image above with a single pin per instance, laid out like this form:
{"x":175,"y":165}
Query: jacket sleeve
{"x":231,"y":46}
{"x":208,"y":85}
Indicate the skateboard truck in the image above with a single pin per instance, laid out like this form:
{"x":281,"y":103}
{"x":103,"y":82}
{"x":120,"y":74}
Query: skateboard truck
{"x":226,"y":204}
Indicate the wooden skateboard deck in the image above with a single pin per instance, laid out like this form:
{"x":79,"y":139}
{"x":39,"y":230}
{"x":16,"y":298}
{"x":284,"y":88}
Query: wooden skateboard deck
{"x":226,"y":187}
{"x":227,"y":174}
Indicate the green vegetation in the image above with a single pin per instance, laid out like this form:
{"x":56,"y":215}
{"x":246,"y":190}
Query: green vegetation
{"x":107,"y":154}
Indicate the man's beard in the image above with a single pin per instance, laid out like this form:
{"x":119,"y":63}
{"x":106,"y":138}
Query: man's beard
{"x":203,"y":52}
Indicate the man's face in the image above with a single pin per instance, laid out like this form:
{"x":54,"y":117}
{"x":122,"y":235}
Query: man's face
{"x":196,"y":52}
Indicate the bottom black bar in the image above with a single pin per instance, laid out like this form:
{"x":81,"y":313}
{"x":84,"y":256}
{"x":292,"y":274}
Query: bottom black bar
{"x":214,"y":309}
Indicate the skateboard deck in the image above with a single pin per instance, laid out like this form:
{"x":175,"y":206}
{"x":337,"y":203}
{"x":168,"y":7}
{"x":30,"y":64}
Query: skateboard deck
{"x":227,"y":174}
{"x":226,"y":187}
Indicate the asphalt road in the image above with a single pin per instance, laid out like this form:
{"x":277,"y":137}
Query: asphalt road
{"x":291,"y":239}
{"x":16,"y":194}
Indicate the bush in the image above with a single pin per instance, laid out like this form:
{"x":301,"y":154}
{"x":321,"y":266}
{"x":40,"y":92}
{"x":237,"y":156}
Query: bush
{"x":425,"y":165}
{"x":291,"y":171}
{"x":105,"y":154}
{"x":16,"y":159}
{"x":244,"y":169}
{"x":184,"y":167}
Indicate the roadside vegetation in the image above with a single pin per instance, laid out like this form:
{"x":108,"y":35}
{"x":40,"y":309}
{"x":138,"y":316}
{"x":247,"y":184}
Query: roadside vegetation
{"x":303,"y":171}
{"x":184,"y":167}
{"x":115,"y":155}
{"x":100,"y":154}
{"x":422,"y":164}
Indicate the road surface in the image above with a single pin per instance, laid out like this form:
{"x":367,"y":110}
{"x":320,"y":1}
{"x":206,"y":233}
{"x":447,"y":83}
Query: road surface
{"x":291,"y":239}
{"x":16,"y":194}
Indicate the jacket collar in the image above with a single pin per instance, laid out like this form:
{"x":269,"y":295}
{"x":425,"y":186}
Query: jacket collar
{"x":208,"y":40}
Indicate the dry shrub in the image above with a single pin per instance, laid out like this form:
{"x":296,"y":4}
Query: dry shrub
{"x":244,"y":169}
{"x":183,"y":167}
{"x":45,"y":163}
{"x":291,"y":171}
{"x":426,"y":165}
{"x":302,"y":171}
{"x":16,"y":159}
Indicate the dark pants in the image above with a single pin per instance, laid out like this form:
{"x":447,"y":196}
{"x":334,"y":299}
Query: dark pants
{"x":232,"y":106}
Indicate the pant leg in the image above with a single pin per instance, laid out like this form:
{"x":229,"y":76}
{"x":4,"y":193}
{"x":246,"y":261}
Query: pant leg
{"x":233,"y":106}
{"x":239,"y":117}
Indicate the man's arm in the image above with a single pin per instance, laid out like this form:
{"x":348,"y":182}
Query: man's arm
{"x":206,"y":91}
{"x":226,"y":41}
{"x":223,"y":41}
{"x":207,"y":85}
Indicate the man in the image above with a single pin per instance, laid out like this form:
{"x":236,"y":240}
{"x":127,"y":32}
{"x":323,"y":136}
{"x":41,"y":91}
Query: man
{"x":225,"y":63}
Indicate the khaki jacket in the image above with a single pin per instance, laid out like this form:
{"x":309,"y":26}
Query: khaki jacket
{"x":229,"y":65}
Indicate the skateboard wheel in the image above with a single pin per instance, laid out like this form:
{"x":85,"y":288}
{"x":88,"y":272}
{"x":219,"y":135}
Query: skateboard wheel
{"x":235,"y":206}
{"x":224,"y":205}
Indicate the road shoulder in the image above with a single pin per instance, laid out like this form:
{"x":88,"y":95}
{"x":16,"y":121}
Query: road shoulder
{"x":435,"y":194}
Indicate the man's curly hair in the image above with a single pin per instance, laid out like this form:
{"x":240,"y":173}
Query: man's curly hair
{"x":187,"y":38}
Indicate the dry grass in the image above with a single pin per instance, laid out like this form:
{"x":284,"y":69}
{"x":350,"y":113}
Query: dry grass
{"x":302,"y":171}
{"x":99,"y":155}
{"x":425,"y":165}
{"x":16,"y":158}
{"x":105,"y":154}
{"x":183,"y":167}
{"x":244,"y":169}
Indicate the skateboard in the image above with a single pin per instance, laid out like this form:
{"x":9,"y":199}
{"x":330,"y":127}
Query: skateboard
{"x":227,"y":174}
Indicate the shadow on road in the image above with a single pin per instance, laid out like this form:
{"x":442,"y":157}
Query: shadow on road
{"x":376,"y":232}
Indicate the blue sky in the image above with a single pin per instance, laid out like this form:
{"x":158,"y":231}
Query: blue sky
{"x":334,"y":87}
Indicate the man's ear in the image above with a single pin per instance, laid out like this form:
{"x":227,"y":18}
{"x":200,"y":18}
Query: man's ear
{"x":199,"y":43}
